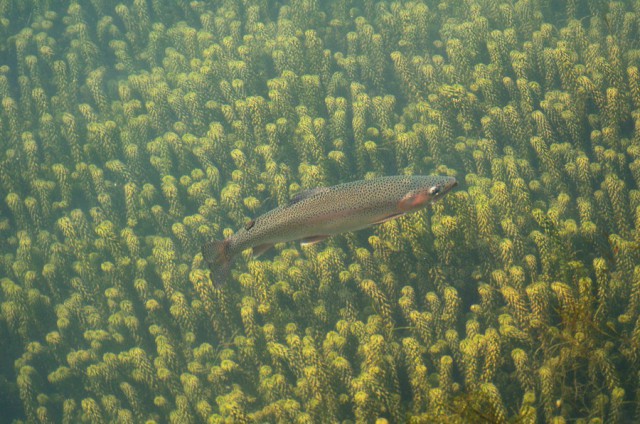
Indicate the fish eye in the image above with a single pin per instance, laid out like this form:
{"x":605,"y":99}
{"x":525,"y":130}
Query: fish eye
{"x":433,"y":191}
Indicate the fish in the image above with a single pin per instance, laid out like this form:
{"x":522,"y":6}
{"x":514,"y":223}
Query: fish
{"x":314,"y":215}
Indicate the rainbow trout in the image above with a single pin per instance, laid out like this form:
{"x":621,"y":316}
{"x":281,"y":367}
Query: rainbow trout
{"x":313,"y":215}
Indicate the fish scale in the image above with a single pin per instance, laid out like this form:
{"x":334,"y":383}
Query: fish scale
{"x":314,"y":215}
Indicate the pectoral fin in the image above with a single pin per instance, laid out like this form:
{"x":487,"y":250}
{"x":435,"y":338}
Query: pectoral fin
{"x":413,"y":202}
{"x":308,"y":241}
{"x":389,"y":218}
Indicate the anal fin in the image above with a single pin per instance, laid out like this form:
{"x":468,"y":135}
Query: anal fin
{"x":261,"y":248}
{"x":311,"y":240}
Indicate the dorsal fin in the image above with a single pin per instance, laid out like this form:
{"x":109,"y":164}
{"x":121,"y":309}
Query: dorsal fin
{"x":307,"y":194}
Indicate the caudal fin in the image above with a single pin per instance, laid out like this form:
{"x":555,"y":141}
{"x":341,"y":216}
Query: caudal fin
{"x":218,"y":257}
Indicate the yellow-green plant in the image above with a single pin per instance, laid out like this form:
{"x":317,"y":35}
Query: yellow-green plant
{"x":132,"y":133}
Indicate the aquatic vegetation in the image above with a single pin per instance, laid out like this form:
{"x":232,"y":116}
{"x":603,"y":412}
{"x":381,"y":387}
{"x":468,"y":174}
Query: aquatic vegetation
{"x":133,"y":132}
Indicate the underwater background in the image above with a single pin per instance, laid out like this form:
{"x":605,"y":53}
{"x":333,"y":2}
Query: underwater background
{"x":131,"y":132}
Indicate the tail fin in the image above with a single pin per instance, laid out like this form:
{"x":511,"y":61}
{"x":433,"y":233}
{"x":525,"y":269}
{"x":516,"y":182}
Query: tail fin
{"x":218,"y":257}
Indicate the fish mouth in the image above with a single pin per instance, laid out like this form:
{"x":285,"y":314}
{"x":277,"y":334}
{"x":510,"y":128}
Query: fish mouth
{"x":449,"y":185}
{"x":445,"y":187}
{"x":427,"y":195}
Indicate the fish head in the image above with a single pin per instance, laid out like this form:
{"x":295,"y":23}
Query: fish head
{"x":426,"y":190}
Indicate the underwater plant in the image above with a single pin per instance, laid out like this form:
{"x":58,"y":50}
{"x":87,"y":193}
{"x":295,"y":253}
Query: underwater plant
{"x":132,"y":132}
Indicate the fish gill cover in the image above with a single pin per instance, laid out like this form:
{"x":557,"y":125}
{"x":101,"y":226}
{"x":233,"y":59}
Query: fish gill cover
{"x":132,"y":132}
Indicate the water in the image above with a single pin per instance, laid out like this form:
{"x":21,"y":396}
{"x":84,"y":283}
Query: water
{"x":133,"y":132}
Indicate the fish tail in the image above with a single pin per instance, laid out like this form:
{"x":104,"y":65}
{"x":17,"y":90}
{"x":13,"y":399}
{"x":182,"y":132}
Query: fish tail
{"x":218,"y":257}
